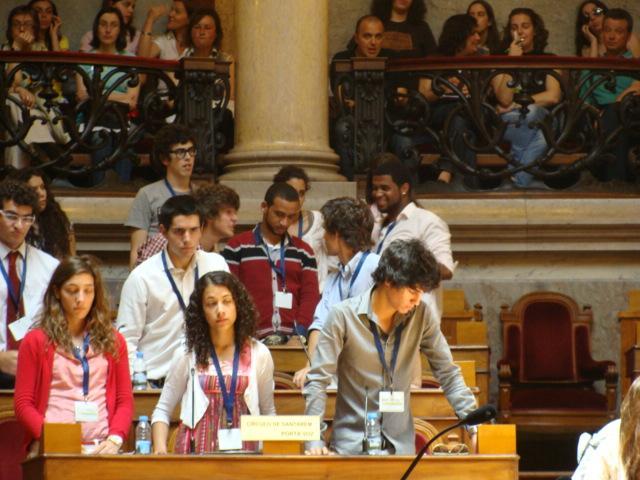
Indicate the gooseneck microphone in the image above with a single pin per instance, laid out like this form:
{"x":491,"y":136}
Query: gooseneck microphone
{"x":478,"y":416}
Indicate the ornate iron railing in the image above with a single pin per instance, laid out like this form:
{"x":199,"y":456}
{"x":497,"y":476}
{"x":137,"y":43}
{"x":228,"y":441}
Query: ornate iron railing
{"x":193,"y":92}
{"x":376,"y":111}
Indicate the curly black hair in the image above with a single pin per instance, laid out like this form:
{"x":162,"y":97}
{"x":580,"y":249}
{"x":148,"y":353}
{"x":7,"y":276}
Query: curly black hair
{"x":455,"y":31}
{"x":407,"y":263}
{"x":292,"y":171}
{"x":540,"y":33}
{"x":351,"y":219}
{"x":197,"y":328}
{"x":18,"y":192}
{"x":382,"y":10}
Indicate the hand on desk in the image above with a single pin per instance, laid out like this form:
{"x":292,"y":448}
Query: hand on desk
{"x":106,"y":447}
{"x":319,"y":451}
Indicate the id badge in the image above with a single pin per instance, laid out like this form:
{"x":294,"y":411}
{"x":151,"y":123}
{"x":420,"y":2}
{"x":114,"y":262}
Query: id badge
{"x":86,"y":411}
{"x":229,"y":439}
{"x":19,"y":328}
{"x":392,"y":402}
{"x":284,"y":300}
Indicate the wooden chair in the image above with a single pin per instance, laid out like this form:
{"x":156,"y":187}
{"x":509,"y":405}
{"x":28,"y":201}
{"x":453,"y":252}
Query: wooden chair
{"x":284,"y":381}
{"x":424,"y":432}
{"x":547,"y":373}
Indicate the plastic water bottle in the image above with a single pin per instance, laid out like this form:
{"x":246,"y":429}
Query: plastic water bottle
{"x":139,"y":372}
{"x":143,"y":436}
{"x":374,"y":434}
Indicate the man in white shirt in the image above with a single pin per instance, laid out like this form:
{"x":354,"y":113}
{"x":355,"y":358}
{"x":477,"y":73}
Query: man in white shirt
{"x":26,"y":272}
{"x":400,"y":218}
{"x":156,"y":293}
{"x":347,"y":234}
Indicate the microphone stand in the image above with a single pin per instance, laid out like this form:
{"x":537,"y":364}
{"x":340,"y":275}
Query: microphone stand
{"x":303,"y":341}
{"x":192,"y":440}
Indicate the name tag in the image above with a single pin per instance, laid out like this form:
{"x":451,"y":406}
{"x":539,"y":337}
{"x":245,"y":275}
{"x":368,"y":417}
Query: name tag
{"x":391,"y":402}
{"x":229,"y":439}
{"x":86,"y":411}
{"x":19,"y":328}
{"x":284,"y":300}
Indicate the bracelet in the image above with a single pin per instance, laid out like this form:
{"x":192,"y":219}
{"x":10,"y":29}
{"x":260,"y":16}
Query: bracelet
{"x":116,"y":440}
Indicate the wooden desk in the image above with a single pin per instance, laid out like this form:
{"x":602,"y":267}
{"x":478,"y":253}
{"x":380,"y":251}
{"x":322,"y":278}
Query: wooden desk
{"x":250,"y":467}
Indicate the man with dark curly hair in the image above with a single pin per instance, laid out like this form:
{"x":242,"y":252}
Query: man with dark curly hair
{"x":369,"y":342}
{"x":26,"y":272}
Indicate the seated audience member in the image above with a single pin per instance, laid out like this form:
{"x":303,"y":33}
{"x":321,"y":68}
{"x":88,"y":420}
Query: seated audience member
{"x":234,"y":372}
{"x":278,"y":269}
{"x":308,"y":227}
{"x":618,"y":26}
{"x":109,"y":37}
{"x":406,"y":34}
{"x":132,"y":36}
{"x":174,"y":152}
{"x":25,"y":269}
{"x":525,"y":35}
{"x":588,"y":36}
{"x":52,"y":231}
{"x":73,"y":367}
{"x":482,"y":11}
{"x":49,"y":23}
{"x":351,"y":345}
{"x":400,"y":217}
{"x":459,"y":38}
{"x":155,"y":294}
{"x":367,"y":43}
{"x":348,"y":224}
{"x":22,"y":28}
{"x":219,"y":205}
{"x":613,"y":453}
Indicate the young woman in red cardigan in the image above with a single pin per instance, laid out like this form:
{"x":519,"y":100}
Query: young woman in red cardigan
{"x":73,"y":367}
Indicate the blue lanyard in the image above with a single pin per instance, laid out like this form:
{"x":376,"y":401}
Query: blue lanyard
{"x":394,"y":354}
{"x":389,"y":228}
{"x":85,"y":365}
{"x":228,"y":397}
{"x":300,"y":222}
{"x":173,"y":283}
{"x":356,"y":272}
{"x":282,"y":271}
{"x":23,"y":281}
{"x":169,"y":187}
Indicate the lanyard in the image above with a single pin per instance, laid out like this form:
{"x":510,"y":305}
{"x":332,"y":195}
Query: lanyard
{"x":15,"y":299}
{"x":282,"y":271}
{"x":356,"y":272}
{"x":394,"y":354}
{"x":173,"y":283}
{"x":228,"y":397}
{"x":300,"y":222}
{"x":169,"y":187}
{"x":85,"y":365}
{"x":389,"y":228}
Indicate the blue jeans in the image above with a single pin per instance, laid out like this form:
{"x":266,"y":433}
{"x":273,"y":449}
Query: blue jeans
{"x":527,"y":142}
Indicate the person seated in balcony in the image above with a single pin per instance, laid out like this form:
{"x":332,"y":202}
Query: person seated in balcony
{"x":309,"y":226}
{"x":589,"y":35}
{"x":617,"y":27}
{"x":482,"y":11}
{"x":73,"y":367}
{"x":52,"y":231}
{"x":109,"y":37}
{"x":132,"y":35}
{"x":174,"y":153}
{"x":222,"y":374}
{"x":22,"y":31}
{"x":525,"y":34}
{"x":279,"y":270}
{"x":49,"y":23}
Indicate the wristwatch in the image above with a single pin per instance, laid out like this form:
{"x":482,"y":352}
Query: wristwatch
{"x":116,"y":440}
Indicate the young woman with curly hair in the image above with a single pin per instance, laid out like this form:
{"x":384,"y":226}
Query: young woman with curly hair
{"x":234,"y":372}
{"x":73,"y":368}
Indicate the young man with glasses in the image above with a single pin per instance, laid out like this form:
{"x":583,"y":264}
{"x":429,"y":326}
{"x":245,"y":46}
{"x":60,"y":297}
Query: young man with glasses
{"x":26,"y":272}
{"x":175,"y":152}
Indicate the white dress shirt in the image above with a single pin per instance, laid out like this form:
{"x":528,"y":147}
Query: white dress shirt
{"x":150,"y":317}
{"x":40,"y":267}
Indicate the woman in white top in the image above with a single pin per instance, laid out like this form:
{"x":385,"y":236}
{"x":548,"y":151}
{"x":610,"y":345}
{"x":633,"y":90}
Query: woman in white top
{"x":233,"y":372}
{"x":614,"y":452}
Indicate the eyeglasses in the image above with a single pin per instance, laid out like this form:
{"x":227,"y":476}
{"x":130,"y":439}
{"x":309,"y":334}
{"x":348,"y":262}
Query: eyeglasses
{"x":182,"y":153}
{"x":20,"y":25}
{"x":596,"y":12}
{"x":13,"y":217}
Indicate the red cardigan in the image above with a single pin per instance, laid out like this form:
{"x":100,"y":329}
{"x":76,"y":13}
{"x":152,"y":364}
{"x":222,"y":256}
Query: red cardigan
{"x":33,"y":384}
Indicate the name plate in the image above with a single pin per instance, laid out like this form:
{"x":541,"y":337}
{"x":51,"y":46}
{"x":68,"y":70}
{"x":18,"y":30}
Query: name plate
{"x":300,"y":428}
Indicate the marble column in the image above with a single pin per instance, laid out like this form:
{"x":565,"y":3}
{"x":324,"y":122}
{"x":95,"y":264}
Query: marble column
{"x":281,"y":104}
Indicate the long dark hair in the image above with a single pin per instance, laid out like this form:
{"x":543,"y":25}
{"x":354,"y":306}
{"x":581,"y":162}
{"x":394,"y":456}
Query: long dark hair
{"x":455,"y":31}
{"x":121,"y":41}
{"x":540,"y":33}
{"x":579,"y":39}
{"x":382,"y":10}
{"x":54,"y":227}
{"x":129,"y":27}
{"x":493,"y":36}
{"x":197,"y":328}
{"x":22,"y":10}
{"x":47,"y":37}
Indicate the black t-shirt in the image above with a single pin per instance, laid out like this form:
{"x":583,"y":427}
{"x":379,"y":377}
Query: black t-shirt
{"x":539,"y":88}
{"x":408,"y":40}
